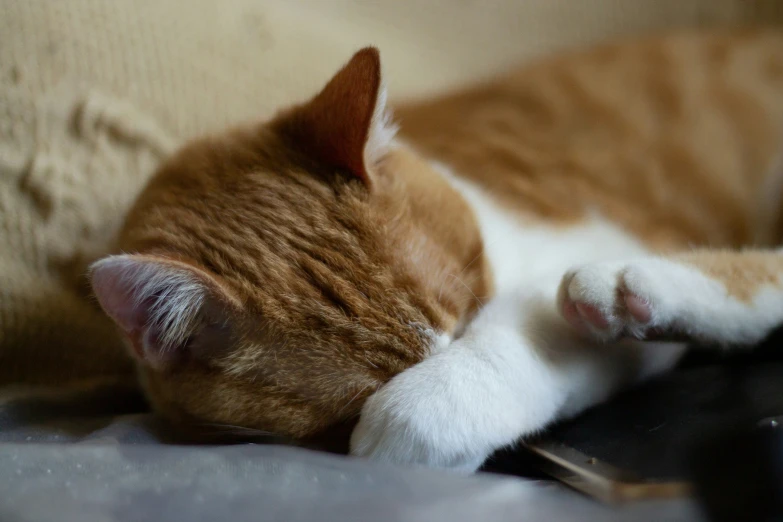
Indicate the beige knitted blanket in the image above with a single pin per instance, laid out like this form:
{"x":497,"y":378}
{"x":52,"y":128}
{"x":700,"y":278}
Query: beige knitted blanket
{"x":93,"y":93}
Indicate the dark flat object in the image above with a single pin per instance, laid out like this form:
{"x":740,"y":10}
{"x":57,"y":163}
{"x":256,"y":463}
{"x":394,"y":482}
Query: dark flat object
{"x":714,"y":416}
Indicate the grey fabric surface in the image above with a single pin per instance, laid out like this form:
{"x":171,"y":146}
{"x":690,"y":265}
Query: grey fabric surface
{"x":96,"y":455}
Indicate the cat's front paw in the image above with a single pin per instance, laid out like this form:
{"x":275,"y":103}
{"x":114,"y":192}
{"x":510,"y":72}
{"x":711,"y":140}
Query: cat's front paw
{"x":639,"y":299}
{"x":426,"y":416}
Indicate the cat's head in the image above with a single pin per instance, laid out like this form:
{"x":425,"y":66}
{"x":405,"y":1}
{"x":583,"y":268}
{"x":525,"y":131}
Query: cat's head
{"x":275,"y":276}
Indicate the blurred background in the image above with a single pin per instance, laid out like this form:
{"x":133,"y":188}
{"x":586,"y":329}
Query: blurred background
{"x":193,"y":65}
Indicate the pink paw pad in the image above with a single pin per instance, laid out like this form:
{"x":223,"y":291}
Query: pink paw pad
{"x":638,"y":308}
{"x":592,"y":315}
{"x":571,"y":315}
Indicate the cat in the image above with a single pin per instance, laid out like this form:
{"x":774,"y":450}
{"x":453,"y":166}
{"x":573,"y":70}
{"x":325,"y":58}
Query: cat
{"x":514,"y":253}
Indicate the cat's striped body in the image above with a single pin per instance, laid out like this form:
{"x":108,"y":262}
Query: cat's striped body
{"x":525,"y":248}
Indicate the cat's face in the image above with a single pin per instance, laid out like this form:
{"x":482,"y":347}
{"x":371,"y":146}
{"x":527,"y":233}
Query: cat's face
{"x":276,"y":276}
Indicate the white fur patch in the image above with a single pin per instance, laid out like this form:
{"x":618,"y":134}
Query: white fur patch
{"x":381,"y":133}
{"x":456,"y":407}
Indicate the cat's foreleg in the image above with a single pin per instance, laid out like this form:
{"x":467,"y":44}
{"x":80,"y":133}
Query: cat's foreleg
{"x":517,"y":368}
{"x":721,"y":298}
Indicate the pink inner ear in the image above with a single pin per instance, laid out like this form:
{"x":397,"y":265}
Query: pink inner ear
{"x":155,"y":303}
{"x":114,"y":290}
{"x":115,"y":294}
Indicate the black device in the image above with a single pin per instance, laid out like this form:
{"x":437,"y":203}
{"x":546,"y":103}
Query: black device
{"x":712,"y":428}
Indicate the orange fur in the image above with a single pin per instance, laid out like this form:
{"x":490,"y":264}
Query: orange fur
{"x":337,"y":280}
{"x":742,"y":273}
{"x":674,"y":138}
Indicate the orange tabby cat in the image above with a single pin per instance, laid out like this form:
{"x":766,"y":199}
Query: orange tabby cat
{"x":505,"y":262}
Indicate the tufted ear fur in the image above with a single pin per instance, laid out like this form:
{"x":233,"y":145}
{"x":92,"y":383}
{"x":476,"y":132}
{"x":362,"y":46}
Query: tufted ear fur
{"x":166,"y":308}
{"x":347,"y":124}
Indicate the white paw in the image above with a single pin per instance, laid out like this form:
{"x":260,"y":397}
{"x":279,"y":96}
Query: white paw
{"x":420,"y":418}
{"x":649,"y":298}
{"x":456,"y":407}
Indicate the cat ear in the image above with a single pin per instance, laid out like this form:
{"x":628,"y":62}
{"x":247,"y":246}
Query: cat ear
{"x":158,"y":303}
{"x":347,"y":125}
